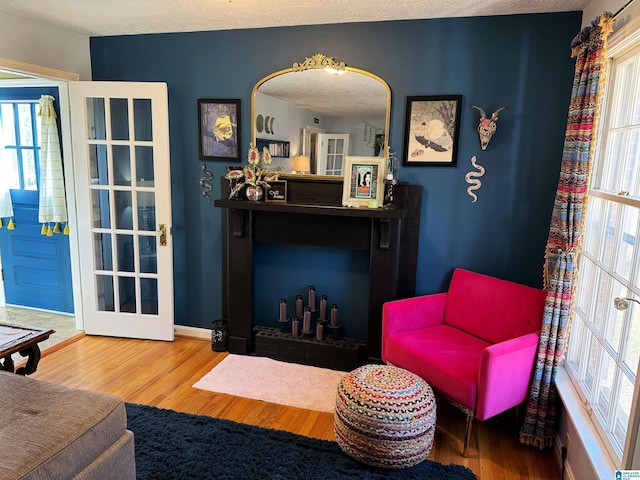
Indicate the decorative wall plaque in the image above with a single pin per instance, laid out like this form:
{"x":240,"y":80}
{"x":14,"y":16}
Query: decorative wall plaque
{"x":277,"y":191}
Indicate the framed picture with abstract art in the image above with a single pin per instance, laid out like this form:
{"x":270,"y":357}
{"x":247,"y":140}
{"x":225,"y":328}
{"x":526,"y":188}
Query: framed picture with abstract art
{"x":363,"y":182}
{"x":431,"y":130}
{"x":219,"y":129}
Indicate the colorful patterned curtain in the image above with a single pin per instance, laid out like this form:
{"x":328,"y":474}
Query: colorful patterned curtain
{"x":565,"y":232}
{"x":53,"y":207}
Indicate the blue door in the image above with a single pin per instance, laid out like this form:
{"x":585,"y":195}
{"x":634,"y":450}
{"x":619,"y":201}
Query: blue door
{"x":36,"y":268}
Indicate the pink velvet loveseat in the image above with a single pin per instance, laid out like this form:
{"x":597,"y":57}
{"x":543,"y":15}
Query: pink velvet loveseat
{"x":475,"y":344}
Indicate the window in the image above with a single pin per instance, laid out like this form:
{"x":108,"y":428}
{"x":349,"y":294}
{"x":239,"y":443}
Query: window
{"x":20,"y":137}
{"x":604,"y":344}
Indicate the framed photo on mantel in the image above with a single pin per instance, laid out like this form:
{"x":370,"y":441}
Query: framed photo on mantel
{"x":432,"y":130}
{"x":363,"y":182}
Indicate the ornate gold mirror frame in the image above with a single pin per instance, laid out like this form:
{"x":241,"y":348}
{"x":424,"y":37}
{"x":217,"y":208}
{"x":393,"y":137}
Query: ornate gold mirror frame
{"x":331,"y":91}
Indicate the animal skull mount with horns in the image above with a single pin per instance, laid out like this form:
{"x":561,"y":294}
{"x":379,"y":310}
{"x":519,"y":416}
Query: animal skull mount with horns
{"x":487,"y":126}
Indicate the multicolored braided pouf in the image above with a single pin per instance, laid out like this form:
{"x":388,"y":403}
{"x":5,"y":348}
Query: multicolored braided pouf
{"x":385,"y":416}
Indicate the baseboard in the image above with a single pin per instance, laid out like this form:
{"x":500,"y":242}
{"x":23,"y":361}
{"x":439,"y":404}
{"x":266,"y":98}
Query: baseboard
{"x":557,"y":448}
{"x":195,"y":332}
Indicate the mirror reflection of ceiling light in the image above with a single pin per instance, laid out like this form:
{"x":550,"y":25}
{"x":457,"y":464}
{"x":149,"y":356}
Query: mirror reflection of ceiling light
{"x":334,"y":71}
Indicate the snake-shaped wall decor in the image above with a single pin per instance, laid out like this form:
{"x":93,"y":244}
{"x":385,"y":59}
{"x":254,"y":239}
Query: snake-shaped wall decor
{"x":472,"y":179}
{"x":205,"y":182}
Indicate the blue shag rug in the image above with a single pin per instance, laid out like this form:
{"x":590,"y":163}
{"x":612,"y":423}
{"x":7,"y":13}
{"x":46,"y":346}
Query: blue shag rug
{"x":174,"y":445}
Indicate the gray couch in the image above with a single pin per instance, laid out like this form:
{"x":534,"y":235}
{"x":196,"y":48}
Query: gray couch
{"x":53,"y":432}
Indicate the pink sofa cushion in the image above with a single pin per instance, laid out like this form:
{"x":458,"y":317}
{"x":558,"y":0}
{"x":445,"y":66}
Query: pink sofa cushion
{"x":492,"y":309}
{"x":447,"y":358}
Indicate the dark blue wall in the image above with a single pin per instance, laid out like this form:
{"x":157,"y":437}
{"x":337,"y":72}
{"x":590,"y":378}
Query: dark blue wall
{"x":522,"y":62}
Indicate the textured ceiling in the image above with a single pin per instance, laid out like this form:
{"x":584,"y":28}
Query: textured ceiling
{"x":130,"y":17}
{"x":122,"y":17}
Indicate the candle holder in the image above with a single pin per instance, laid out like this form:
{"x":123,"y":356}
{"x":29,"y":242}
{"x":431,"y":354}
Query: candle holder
{"x":333,"y":325}
{"x":334,"y":329}
{"x":388,"y":192}
{"x":284,"y":324}
{"x":295,"y":328}
{"x":391,"y":177}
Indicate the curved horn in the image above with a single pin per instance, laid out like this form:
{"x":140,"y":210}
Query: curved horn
{"x":483,"y":115}
{"x":494,"y":115}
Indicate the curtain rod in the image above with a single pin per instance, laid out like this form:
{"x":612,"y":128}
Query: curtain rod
{"x":623,"y":8}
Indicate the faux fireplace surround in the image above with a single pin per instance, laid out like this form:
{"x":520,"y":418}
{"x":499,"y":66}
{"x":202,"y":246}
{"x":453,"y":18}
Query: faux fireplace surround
{"x":314,"y":208}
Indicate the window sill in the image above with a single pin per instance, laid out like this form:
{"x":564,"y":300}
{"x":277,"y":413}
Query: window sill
{"x":601,"y":461}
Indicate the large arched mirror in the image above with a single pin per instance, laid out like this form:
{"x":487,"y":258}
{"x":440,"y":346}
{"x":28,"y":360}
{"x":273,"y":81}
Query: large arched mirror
{"x":317,"y":112}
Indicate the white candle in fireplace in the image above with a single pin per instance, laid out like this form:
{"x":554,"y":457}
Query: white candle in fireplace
{"x":319,"y":332}
{"x":298,"y":305}
{"x":312,"y":297}
{"x":283,"y":309}
{"x":334,"y":315}
{"x":323,"y":308}
{"x":306,"y":322}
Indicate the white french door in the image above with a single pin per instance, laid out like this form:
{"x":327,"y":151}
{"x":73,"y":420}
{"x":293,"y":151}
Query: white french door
{"x":332,"y":148}
{"x":120,"y":136}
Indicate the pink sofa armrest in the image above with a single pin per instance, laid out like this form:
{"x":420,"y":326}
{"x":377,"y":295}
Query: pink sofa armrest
{"x":505,"y":375}
{"x":411,"y":314}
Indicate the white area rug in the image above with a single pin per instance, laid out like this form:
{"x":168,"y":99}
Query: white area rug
{"x":283,"y":383}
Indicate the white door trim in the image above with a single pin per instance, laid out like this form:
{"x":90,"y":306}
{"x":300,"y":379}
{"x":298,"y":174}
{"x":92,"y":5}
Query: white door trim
{"x":37,"y":70}
{"x":59,"y":78}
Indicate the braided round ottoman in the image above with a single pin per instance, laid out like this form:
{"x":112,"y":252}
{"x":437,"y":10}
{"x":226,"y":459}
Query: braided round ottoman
{"x":385,"y":416}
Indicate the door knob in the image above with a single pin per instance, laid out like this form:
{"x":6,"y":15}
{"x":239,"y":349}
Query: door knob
{"x":622,"y":303}
{"x":163,"y":234}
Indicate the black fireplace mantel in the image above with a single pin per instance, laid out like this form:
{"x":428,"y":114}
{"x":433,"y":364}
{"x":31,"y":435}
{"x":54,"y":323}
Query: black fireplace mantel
{"x":313,"y":210}
{"x":238,"y":220}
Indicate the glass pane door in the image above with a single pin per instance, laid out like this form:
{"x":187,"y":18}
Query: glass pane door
{"x":333,"y":147}
{"x":125,"y":174}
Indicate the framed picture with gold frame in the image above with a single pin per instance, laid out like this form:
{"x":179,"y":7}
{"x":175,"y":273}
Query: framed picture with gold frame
{"x":363,"y":181}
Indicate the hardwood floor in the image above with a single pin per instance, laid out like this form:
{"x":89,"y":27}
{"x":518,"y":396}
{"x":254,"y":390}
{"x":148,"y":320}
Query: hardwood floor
{"x":162,"y":374}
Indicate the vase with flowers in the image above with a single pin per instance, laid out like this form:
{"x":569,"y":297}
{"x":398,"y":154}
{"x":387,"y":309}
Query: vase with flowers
{"x":255,"y":175}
